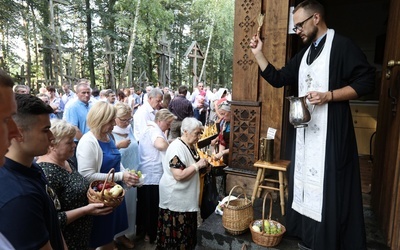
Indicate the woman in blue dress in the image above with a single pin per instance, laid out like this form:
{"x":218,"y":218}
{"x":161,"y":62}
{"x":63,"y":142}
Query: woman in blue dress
{"x":96,"y":155}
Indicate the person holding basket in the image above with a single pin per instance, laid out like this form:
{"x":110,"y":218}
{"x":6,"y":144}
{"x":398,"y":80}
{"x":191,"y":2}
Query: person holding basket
{"x":74,"y":212}
{"x":97,"y":154}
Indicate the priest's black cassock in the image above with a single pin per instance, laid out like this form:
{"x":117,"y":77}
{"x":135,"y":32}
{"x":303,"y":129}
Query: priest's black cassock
{"x":342,"y":225}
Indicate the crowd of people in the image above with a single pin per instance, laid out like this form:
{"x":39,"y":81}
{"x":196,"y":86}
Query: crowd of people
{"x":52,"y":146}
{"x":60,"y":143}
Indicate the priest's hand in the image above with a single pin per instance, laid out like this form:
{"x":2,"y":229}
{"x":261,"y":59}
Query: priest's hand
{"x":319,"y":98}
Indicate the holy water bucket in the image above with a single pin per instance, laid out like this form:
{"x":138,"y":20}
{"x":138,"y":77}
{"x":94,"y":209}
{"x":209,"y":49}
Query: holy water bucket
{"x":299,"y":115}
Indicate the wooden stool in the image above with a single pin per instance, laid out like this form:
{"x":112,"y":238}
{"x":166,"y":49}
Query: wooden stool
{"x":279,"y":165}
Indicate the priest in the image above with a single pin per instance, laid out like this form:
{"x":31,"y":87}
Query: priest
{"x":325,"y":202}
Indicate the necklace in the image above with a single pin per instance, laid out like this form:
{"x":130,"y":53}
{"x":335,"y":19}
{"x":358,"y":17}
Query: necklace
{"x":309,"y":54}
{"x":192,"y":151}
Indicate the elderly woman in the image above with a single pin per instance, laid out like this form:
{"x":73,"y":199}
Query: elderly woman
{"x":129,"y":149}
{"x":70,"y":187}
{"x":221,"y":143}
{"x":152,"y":149}
{"x":219,"y":97}
{"x":97,"y":154}
{"x":180,"y":189}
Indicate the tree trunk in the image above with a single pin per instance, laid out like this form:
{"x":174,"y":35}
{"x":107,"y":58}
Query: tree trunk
{"x":128,"y":63}
{"x":90,"y":43}
{"x":26,"y":75}
{"x":36,"y":46}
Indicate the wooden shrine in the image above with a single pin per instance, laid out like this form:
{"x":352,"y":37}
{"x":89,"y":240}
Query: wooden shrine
{"x":255,"y":104}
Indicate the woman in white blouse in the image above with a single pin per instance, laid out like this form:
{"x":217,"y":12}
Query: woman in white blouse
{"x":152,"y":147}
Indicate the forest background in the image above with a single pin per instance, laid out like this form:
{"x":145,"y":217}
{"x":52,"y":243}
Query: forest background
{"x":117,"y":43}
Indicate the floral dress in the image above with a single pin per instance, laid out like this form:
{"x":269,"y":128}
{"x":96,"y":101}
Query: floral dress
{"x":71,"y":191}
{"x":178,"y":229}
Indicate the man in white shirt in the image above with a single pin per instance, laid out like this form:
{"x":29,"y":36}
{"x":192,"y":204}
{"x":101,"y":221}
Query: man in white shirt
{"x":147,"y":112}
{"x":68,"y":93}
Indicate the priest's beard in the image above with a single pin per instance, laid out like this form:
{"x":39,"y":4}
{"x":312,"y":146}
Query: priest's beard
{"x":311,"y":37}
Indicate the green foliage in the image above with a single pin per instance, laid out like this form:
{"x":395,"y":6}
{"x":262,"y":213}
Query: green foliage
{"x":183,"y":21}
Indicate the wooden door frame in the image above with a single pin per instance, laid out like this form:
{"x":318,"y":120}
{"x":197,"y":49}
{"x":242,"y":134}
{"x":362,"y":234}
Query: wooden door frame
{"x":386,"y":170}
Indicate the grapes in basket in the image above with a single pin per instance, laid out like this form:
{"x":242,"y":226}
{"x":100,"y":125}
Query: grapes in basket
{"x":270,"y":227}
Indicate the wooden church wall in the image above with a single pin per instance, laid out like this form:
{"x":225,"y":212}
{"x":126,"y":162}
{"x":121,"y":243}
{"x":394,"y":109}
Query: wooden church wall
{"x":255,"y":104}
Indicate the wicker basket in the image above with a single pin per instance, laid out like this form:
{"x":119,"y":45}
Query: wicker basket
{"x":237,"y":214}
{"x":262,"y":238}
{"x":99,"y":197}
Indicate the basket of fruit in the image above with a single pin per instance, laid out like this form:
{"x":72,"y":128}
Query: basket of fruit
{"x":237,"y":214}
{"x":106,"y":191}
{"x":267,"y":233}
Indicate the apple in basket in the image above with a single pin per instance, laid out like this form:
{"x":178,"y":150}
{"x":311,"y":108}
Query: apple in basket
{"x":114,"y":191}
{"x":99,"y":187}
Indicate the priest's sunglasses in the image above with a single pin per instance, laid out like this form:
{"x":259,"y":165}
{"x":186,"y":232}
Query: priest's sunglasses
{"x":299,"y":26}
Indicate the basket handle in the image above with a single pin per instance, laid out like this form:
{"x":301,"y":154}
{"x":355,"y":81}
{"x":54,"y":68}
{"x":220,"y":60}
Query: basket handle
{"x":230,"y":193}
{"x":112,"y":171}
{"x":263,"y":210}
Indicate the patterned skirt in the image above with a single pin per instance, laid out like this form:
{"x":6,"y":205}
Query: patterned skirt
{"x":176,"y":230}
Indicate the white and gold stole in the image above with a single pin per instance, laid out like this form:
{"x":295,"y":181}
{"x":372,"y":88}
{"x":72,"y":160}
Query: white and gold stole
{"x":311,"y":141}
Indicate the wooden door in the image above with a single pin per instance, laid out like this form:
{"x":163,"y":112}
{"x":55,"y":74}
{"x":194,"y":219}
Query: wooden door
{"x":385,"y":178}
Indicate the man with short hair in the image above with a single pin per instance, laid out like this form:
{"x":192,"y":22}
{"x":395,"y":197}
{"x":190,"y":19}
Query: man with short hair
{"x":21,"y":89}
{"x":110,"y":96}
{"x":147,"y":112}
{"x":68,"y":93}
{"x":78,"y":110}
{"x":181,"y":108}
{"x":28,"y":217}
